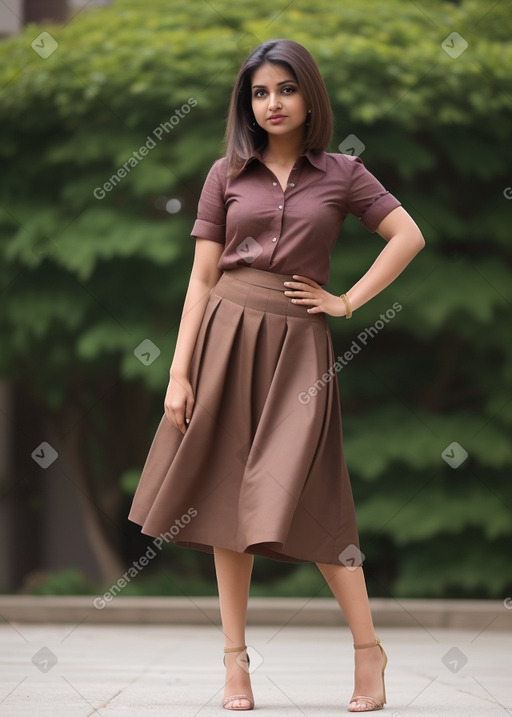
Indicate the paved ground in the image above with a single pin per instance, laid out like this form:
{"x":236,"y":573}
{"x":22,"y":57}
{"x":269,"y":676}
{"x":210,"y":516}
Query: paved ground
{"x":76,"y":670}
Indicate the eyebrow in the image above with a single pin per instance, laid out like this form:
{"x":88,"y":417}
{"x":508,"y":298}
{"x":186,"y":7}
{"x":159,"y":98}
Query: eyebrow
{"x":284,"y":82}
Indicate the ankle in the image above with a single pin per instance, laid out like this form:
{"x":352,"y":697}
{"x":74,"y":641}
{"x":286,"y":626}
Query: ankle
{"x":239,"y":657}
{"x":366,"y":644}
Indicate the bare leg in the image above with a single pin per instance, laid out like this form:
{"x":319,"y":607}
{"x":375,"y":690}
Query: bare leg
{"x":233,"y":572}
{"x":349,"y":588}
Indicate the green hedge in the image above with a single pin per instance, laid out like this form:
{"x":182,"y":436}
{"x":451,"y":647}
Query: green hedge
{"x":86,"y":279}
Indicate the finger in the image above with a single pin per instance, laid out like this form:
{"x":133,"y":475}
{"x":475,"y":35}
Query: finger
{"x":307,"y":299}
{"x":178,"y":420}
{"x":296,"y":294}
{"x":189,"y":410}
{"x":301,"y":293}
{"x":292,"y":285}
{"x":303,"y":283}
{"x":306,"y":279}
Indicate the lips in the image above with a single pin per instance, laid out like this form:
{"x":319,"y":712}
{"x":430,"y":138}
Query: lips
{"x":276,"y":117}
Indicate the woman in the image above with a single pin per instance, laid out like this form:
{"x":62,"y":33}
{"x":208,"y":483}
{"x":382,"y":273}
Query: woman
{"x":248,"y":456}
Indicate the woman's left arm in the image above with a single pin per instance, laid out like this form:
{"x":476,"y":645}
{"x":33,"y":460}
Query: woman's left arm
{"x":404,"y":240}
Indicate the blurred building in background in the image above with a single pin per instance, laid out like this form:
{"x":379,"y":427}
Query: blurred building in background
{"x":14,"y":14}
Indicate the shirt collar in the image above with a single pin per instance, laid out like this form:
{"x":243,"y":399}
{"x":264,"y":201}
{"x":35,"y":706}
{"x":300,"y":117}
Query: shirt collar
{"x":317,"y":159}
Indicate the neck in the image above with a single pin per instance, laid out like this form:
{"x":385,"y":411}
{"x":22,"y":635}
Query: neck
{"x":282,"y":150}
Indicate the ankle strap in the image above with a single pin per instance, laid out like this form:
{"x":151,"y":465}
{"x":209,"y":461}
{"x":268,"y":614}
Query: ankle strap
{"x":367,"y":644}
{"x":235,"y":649}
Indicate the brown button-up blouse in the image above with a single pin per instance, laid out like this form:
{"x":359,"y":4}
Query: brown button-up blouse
{"x":290,"y":232}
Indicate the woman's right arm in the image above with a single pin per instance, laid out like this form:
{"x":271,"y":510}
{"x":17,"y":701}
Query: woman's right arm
{"x":179,"y":398}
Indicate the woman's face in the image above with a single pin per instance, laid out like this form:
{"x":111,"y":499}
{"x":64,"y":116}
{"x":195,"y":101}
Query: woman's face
{"x":277,"y":101}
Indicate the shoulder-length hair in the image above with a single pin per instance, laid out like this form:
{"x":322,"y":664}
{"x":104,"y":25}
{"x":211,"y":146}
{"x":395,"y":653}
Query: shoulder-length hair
{"x":243,"y":135}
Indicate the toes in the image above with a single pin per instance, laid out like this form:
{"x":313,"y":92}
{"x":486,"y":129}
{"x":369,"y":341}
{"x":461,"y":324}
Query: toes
{"x":359,"y":706}
{"x":237,"y":703}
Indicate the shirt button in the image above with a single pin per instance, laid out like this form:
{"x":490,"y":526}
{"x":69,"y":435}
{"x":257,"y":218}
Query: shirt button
{"x":274,"y":184}
{"x":291,"y":184}
{"x":274,"y":239}
{"x":280,"y":206}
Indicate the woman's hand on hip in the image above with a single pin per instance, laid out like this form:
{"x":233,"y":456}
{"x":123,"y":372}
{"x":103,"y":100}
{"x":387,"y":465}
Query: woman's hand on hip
{"x":306,"y":292}
{"x":179,"y":402}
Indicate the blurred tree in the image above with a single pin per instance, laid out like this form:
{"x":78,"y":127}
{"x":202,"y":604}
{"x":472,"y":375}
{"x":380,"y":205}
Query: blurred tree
{"x":105,"y":143}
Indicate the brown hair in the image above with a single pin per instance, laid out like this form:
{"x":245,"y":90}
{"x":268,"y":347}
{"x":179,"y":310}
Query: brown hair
{"x":242,"y":138}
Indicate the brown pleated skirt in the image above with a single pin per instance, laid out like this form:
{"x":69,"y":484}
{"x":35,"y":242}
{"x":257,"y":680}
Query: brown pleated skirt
{"x":261,"y":467}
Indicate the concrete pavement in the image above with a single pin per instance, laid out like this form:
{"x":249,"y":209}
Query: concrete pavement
{"x":83,"y":669}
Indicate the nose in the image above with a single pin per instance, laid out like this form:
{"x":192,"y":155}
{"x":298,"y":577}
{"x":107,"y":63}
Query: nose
{"x":273,"y":101}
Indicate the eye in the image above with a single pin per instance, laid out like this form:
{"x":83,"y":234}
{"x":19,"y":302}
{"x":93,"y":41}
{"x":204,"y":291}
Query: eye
{"x":259,"y":93}
{"x":289,"y":90}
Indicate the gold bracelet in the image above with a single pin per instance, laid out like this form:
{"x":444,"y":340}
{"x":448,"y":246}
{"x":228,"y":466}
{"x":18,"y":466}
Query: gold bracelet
{"x":348,"y":312}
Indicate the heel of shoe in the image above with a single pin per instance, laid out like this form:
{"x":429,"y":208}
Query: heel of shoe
{"x":384,"y":663}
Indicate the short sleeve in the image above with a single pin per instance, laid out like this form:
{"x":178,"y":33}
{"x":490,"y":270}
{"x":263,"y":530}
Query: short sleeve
{"x":368,"y":200}
{"x":211,"y":209}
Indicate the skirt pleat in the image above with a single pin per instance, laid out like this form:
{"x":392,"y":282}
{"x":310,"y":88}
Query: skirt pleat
{"x":261,"y":467}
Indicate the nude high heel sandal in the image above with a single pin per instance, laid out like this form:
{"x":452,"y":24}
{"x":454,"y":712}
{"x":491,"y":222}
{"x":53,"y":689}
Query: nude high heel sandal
{"x":227,"y":700}
{"x":374,"y":703}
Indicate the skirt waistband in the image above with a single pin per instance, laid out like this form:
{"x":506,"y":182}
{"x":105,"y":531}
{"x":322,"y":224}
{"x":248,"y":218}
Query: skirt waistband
{"x":259,"y":277}
{"x":263,"y":291}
